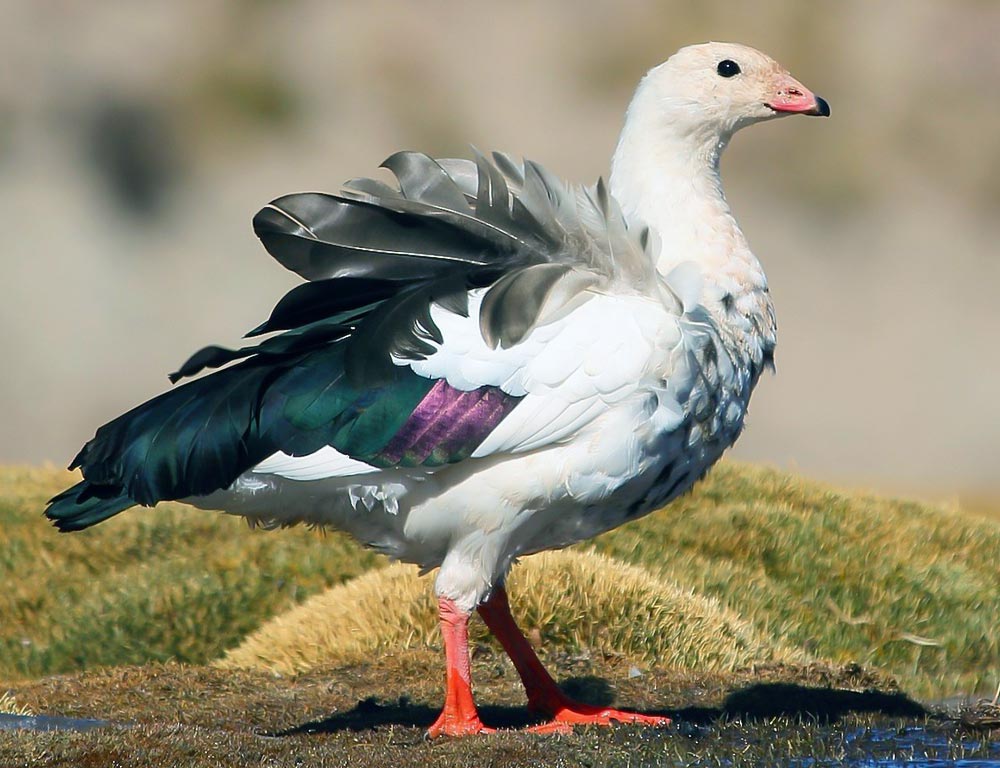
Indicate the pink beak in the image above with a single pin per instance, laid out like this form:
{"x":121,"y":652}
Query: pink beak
{"x":791,"y":96}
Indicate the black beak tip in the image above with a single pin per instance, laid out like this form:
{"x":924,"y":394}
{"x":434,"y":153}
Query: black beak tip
{"x":822,"y":107}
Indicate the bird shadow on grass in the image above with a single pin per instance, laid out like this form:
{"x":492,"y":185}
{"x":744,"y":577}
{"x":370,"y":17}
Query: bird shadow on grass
{"x":372,"y":713}
{"x":758,"y":701}
{"x":767,"y":700}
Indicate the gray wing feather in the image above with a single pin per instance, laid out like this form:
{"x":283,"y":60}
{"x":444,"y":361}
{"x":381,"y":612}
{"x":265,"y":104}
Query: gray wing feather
{"x":492,"y":192}
{"x":464,"y":173}
{"x":534,"y":242}
{"x":509,"y":168}
{"x":421,"y":178}
{"x":520,"y":300}
{"x":321,"y":236}
{"x":372,"y":187}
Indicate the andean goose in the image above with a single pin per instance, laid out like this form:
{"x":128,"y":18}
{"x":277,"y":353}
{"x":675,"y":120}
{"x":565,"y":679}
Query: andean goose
{"x":485,"y":362}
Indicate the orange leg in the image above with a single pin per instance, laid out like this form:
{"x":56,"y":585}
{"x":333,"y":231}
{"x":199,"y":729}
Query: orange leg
{"x":459,"y":716}
{"x":544,"y":695}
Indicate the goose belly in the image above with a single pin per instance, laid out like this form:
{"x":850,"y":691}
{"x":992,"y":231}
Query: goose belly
{"x":632,"y":459}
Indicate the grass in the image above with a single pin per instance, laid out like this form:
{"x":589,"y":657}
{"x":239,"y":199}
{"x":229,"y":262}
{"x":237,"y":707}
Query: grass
{"x":9,"y":706}
{"x":564,"y":599}
{"x":352,"y":715}
{"x":168,"y":583}
{"x":908,"y":587}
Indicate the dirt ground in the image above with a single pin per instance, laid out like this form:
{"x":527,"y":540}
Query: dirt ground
{"x":375,"y":714}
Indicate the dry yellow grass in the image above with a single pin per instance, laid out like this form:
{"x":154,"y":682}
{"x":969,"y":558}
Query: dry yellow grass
{"x":573,"y":599}
{"x":8,"y":706}
{"x":151,"y":584}
{"x":847,"y":577}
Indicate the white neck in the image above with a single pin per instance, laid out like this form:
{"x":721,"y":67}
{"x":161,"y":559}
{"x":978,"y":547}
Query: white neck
{"x":665,"y":174}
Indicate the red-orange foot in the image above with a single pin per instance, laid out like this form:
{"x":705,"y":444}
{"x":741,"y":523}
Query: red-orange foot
{"x":568,"y":713}
{"x":571,"y":713}
{"x":453,"y":725}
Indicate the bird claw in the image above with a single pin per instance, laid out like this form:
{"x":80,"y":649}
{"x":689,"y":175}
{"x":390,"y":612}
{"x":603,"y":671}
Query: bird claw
{"x":549,"y":728}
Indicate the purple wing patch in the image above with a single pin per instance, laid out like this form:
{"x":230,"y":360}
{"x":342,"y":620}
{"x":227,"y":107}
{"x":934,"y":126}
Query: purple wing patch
{"x":447,"y":425}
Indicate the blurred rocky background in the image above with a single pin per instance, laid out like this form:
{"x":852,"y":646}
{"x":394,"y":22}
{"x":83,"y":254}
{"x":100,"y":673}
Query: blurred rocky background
{"x":137,"y":140}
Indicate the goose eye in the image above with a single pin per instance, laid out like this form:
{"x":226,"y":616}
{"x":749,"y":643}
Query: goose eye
{"x":728,"y":68}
